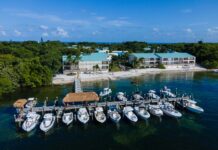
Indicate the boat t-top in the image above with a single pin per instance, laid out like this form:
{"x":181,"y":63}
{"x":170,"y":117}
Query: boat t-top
{"x":67,"y":118}
{"x":142,"y":112}
{"x":137,"y":96}
{"x":31,"y":102}
{"x":83,"y":115}
{"x":113,"y":114}
{"x":190,"y":105}
{"x":169,"y":110}
{"x":48,"y":122}
{"x":155,"y":110}
{"x":121,"y":96}
{"x":105,"y":92}
{"x":152,"y":94}
{"x":99,"y":114}
{"x":167,"y":92}
{"x":32,"y":119}
{"x":128,"y":112}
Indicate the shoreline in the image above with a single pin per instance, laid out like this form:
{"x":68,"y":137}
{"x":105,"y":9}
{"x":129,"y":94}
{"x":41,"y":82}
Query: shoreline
{"x":61,"y":79}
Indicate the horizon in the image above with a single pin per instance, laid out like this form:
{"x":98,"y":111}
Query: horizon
{"x":110,"y":21}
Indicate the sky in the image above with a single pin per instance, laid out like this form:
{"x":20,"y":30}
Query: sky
{"x":165,"y":21}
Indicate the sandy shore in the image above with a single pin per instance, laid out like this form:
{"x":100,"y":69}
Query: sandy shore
{"x":60,"y":79}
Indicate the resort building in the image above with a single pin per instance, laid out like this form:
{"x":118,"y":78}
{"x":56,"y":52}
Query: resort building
{"x":87,"y":63}
{"x":177,"y":60}
{"x":169,"y":60}
{"x":147,"y":60}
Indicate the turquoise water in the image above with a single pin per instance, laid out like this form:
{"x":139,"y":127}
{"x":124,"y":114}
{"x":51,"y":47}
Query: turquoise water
{"x":191,"y":132}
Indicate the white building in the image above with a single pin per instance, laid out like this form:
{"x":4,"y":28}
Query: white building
{"x":88,"y":63}
{"x":169,"y":60}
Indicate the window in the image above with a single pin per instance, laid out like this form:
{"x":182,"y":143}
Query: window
{"x":165,"y":59}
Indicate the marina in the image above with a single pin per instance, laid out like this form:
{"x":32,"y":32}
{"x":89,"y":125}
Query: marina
{"x":89,"y":105}
{"x":118,"y":132}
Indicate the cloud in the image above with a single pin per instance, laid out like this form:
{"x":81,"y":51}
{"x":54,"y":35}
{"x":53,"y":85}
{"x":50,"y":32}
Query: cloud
{"x":186,"y":11}
{"x":3,"y":33}
{"x":17,"y":33}
{"x":189,"y":30}
{"x":118,"y":23}
{"x":95,"y":33}
{"x":52,"y":18}
{"x":60,"y":32}
{"x":43,"y":27}
{"x":212,"y":30}
{"x":156,"y":29}
{"x":45,"y":34}
{"x":100,"y":18}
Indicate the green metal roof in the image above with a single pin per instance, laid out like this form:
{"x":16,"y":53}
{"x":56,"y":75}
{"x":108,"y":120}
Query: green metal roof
{"x":90,"y":57}
{"x":144,"y":55}
{"x":174,"y":55}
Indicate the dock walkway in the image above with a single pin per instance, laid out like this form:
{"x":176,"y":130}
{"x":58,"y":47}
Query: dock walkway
{"x":41,"y":109}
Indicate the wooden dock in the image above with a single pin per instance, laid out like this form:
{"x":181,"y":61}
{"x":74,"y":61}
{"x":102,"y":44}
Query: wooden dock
{"x":105,"y":104}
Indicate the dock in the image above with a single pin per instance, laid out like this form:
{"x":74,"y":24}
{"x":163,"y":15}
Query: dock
{"x":79,"y":99}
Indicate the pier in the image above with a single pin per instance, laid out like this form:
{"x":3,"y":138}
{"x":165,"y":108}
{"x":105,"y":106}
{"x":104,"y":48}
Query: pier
{"x":79,"y":99}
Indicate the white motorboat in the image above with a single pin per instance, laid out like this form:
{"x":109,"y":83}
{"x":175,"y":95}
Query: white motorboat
{"x":167,"y":92}
{"x":190,"y":105}
{"x":152,"y":94}
{"x":31,"y":102}
{"x":113,"y":114}
{"x":155,"y":110}
{"x":128,"y":112}
{"x":67,"y":118}
{"x":99,"y":114}
{"x":168,"y":109}
{"x":83,"y":115}
{"x":105,"y":92}
{"x":48,"y":122}
{"x":121,"y":96}
{"x":32,"y":119}
{"x":142,"y":112}
{"x":137,"y":96}
{"x":215,"y":70}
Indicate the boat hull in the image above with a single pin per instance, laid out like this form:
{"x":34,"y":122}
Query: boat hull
{"x":195,"y":109}
{"x":67,"y":119}
{"x":46,"y":129}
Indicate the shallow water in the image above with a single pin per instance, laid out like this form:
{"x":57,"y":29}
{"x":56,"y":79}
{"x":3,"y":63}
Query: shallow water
{"x":190,"y":132}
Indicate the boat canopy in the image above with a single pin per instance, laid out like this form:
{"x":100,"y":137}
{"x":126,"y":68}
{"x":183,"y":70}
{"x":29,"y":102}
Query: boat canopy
{"x":31,"y":99}
{"x":99,"y":109}
{"x":20,"y":103}
{"x":81,"y":97}
{"x":127,"y":109}
{"x":120,"y":93}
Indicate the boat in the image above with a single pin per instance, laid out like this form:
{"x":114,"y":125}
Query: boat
{"x":215,"y":70}
{"x":169,"y":110}
{"x":48,"y":122}
{"x":155,"y":110}
{"x":137,"y":96}
{"x":99,"y":114}
{"x":67,"y":118}
{"x":32,"y":119}
{"x":190,"y":105}
{"x":152,"y":94}
{"x":121,"y":97}
{"x":128,"y":112}
{"x":142,"y":112}
{"x":83,"y":115}
{"x":167,"y":92}
{"x":31,"y":102}
{"x":113,"y":114}
{"x":105,"y":92}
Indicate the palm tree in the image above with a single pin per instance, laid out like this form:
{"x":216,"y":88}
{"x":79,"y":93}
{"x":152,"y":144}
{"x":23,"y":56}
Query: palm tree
{"x":73,"y":60}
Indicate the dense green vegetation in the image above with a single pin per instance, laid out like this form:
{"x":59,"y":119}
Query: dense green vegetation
{"x":32,"y":64}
